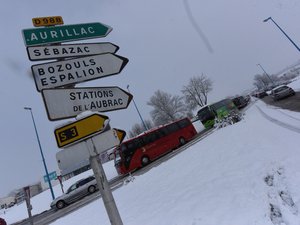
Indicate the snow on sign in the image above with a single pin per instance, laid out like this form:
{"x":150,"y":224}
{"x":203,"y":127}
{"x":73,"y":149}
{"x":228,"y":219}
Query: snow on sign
{"x":69,"y":50}
{"x":104,"y":141}
{"x":73,"y":71}
{"x":65,"y":103}
{"x":64,"y":33}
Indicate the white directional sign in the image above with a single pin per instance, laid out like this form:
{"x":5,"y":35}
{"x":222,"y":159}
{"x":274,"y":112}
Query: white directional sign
{"x":104,"y":141}
{"x":65,"y":103}
{"x":75,"y":156}
{"x":73,"y":71}
{"x":69,"y":50}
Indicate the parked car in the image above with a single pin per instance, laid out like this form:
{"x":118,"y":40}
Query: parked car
{"x":262,"y":94}
{"x":247,"y":98}
{"x":281,"y":92}
{"x":240,"y":102}
{"x":75,"y":192}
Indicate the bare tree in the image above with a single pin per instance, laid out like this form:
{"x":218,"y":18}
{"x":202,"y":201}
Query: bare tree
{"x":196,"y":91}
{"x":264,"y":81}
{"x":166,"y":108}
{"x":139,"y":128}
{"x":259,"y":82}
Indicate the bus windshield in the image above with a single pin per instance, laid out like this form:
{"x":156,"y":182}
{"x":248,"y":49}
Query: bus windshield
{"x":205,"y":114}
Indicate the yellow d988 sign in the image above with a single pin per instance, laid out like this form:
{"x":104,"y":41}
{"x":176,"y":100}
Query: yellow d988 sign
{"x":79,"y":130}
{"x":47,"y":21}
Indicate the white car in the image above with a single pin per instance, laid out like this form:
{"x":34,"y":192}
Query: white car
{"x":281,"y":92}
{"x":77,"y":191}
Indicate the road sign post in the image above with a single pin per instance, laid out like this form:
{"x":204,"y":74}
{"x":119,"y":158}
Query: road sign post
{"x":80,"y":130}
{"x":69,"y":102}
{"x":73,"y":71}
{"x":96,"y":60}
{"x":104,"y":188}
{"x":28,"y":204}
{"x":64,"y":33}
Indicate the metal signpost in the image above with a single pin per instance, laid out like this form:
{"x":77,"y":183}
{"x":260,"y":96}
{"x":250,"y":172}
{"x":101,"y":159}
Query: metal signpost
{"x":76,"y":63}
{"x":69,"y":102}
{"x":28,"y":204}
{"x":69,"y":50}
{"x":73,"y":71}
{"x":80,"y":130}
{"x":64,"y":33}
{"x":104,"y":188}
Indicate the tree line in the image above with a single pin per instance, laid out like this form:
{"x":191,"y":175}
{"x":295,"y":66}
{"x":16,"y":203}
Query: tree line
{"x":167,"y":107}
{"x":265,"y":82}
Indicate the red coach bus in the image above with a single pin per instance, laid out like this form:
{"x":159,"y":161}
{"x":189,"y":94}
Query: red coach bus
{"x":141,"y":150}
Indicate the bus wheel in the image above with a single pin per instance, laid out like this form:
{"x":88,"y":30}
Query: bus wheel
{"x":182,"y":141}
{"x":145,"y":160}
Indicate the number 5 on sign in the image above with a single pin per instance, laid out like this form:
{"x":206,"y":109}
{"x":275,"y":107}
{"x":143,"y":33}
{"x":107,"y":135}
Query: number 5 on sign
{"x":80,"y":130}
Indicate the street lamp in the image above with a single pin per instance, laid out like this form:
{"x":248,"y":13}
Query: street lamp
{"x":266,"y":73}
{"x":137,"y":110}
{"x":41,"y":151}
{"x":270,"y":18}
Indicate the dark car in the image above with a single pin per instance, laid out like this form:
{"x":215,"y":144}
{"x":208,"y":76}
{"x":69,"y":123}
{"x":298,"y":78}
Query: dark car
{"x":240,"y":102}
{"x":261,"y":94}
{"x":281,"y":92}
{"x":77,"y":191}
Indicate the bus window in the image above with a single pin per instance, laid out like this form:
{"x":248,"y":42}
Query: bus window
{"x":183,"y":123}
{"x":151,"y":137}
{"x":172,"y":128}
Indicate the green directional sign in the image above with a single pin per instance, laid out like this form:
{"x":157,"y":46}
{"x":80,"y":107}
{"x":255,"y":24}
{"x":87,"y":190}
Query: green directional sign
{"x":64,"y":33}
{"x":52,"y":176}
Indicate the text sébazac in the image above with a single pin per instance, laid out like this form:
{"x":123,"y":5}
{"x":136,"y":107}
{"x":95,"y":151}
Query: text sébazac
{"x":61,"y":51}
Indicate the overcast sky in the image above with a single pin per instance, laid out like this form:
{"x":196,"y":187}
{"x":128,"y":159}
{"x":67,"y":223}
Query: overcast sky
{"x":165,"y":48}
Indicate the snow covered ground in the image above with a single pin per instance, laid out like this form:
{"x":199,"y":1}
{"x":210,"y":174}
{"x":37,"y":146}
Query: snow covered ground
{"x":244,"y":174}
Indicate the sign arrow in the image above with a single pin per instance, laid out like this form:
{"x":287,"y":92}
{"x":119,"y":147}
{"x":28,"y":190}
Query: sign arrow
{"x":65,"y":103}
{"x":73,"y":71}
{"x":69,"y":50}
{"x":64,"y":33}
{"x":120,"y":133}
{"x":79,"y":130}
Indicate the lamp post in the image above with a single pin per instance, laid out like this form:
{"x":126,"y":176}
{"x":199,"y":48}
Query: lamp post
{"x":137,"y":110}
{"x":266,"y":73}
{"x":270,"y":18}
{"x":41,"y":151}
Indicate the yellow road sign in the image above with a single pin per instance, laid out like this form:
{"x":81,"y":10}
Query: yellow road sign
{"x":47,"y":21}
{"x":79,"y":130}
{"x":121,"y":134}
